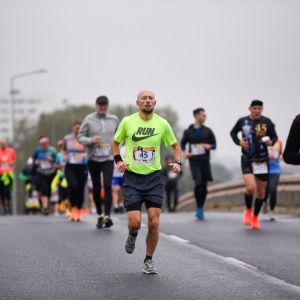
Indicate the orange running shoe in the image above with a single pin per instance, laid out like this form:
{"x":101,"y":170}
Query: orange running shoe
{"x":255,"y":223}
{"x":73,"y":215}
{"x":247,"y":218}
{"x":79,"y":215}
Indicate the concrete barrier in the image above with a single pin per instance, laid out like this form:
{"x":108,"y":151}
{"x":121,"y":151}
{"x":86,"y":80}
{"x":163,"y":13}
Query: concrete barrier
{"x":231,"y":194}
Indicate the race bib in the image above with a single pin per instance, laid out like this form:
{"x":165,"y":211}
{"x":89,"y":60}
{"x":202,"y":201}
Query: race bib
{"x":4,"y":166}
{"x":273,"y":152}
{"x":197,"y":149}
{"x":260,"y":168}
{"x":143,"y":155}
{"x":102,"y":150}
{"x":76,"y":158}
{"x":45,"y":165}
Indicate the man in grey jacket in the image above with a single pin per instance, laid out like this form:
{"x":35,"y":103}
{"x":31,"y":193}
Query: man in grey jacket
{"x":96,"y":133}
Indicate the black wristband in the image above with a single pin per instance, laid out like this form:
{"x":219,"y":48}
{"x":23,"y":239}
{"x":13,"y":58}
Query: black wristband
{"x":178,"y":162}
{"x":118,"y":158}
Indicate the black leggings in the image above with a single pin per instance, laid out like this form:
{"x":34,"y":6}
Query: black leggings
{"x":201,"y":174}
{"x":5,"y":190}
{"x":76,"y":176}
{"x":95,"y":169}
{"x":271,"y":189}
{"x":5,"y":195}
{"x":169,"y":191}
{"x":62,"y":193}
{"x":44,"y":183}
{"x":200,"y":191}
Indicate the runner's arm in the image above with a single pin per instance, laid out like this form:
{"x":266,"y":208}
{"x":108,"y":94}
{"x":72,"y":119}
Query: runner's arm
{"x":177,"y":151}
{"x":35,"y":156}
{"x":115,"y":148}
{"x":272,"y":133}
{"x":212,"y":141}
{"x":122,"y":166}
{"x":83,"y":137}
{"x":291,"y":153}
{"x":184,"y":141}
{"x":176,"y":166}
{"x":234,"y":132}
{"x":14,"y":157}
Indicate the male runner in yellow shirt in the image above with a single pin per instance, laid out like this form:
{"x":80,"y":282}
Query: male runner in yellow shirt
{"x":143,"y":133}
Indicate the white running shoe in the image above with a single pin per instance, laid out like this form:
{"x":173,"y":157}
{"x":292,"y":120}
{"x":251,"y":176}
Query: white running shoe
{"x":271,"y":215}
{"x":149,"y":268}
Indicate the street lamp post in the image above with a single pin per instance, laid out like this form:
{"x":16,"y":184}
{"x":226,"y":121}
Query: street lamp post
{"x":13,"y":142}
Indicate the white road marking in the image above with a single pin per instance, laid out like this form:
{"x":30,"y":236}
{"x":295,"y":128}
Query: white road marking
{"x":144,"y":225}
{"x":177,"y":238}
{"x":239,"y":262}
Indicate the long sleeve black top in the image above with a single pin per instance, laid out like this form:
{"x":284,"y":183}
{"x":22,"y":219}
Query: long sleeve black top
{"x":194,"y":136}
{"x":252,"y":132}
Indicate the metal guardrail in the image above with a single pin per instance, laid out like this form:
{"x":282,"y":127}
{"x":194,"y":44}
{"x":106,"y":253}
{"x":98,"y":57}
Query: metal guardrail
{"x":232,"y":191}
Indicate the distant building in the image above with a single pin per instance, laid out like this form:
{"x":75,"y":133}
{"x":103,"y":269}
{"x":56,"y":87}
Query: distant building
{"x":29,"y":108}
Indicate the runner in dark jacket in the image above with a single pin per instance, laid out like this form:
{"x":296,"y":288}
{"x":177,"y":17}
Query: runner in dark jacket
{"x":201,"y":140}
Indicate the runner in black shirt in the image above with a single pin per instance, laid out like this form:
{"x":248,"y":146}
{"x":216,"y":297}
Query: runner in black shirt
{"x":258,"y":133}
{"x":201,"y":140}
{"x":291,"y":153}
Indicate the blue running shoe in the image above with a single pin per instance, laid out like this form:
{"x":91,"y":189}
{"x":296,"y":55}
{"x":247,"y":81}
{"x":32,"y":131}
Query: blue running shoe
{"x":199,"y":213}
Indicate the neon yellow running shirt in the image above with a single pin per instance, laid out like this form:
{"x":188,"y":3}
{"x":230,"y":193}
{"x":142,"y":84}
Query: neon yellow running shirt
{"x":143,"y":140}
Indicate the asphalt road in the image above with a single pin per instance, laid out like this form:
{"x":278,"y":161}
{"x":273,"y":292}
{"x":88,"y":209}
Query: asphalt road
{"x":218,"y":258}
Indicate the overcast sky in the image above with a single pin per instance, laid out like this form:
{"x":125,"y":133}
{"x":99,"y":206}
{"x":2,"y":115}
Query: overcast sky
{"x":214,"y":54}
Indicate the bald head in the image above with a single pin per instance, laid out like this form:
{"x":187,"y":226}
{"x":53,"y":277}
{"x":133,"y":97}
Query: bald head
{"x":145,"y":92}
{"x":146,"y":102}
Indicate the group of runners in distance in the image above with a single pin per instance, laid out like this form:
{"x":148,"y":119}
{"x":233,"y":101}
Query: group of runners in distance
{"x":96,"y":146}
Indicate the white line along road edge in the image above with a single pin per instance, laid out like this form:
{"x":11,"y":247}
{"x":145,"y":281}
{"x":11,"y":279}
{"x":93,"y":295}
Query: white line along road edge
{"x":177,"y":238}
{"x":173,"y":237}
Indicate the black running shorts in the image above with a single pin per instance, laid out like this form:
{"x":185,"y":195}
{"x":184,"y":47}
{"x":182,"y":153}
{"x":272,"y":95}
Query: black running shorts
{"x":139,"y":188}
{"x":246,"y":166}
{"x":138,"y":205}
{"x":5,"y":189}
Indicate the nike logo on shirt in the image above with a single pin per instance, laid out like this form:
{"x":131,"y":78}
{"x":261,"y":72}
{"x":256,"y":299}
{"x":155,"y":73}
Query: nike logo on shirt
{"x":136,"y":139}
